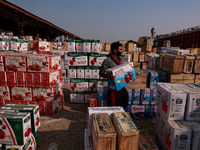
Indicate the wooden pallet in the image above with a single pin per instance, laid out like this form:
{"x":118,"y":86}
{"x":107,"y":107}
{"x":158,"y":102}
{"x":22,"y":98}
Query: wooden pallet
{"x":188,"y":64}
{"x":127,"y":132}
{"x":103,"y":132}
{"x":173,"y":63}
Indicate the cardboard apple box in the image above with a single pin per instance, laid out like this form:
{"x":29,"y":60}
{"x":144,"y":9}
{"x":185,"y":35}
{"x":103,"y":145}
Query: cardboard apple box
{"x":3,"y":78}
{"x":96,"y":59}
{"x":41,"y":45}
{"x":95,"y":72}
{"x":72,"y":72}
{"x":78,"y":85}
{"x":88,"y":72}
{"x":4,"y":44}
{"x":78,"y":59}
{"x":18,"y":45}
{"x":22,"y":93}
{"x":51,"y":79}
{"x":73,"y":96}
{"x":29,"y":79}
{"x":4,"y":93}
{"x":11,"y":78}
{"x":53,"y":107}
{"x":42,"y":107}
{"x":44,"y":94}
{"x":80,"y":71}
{"x":124,"y":74}
{"x":171,"y":100}
{"x":15,"y":63}
{"x":20,"y":79}
{"x":37,"y":76}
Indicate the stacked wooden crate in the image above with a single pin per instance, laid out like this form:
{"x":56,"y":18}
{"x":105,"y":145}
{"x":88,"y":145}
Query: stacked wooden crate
{"x":181,"y":69}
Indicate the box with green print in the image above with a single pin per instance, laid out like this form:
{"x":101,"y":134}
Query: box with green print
{"x":175,"y":135}
{"x":124,"y":74}
{"x":15,"y":127}
{"x":96,"y":59}
{"x":32,"y":109}
{"x":78,"y":84}
{"x":171,"y":100}
{"x":4,"y":44}
{"x":19,"y":147}
{"x":18,"y":45}
{"x":77,"y":59}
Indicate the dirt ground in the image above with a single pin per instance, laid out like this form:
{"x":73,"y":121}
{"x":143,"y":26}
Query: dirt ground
{"x":66,"y":128}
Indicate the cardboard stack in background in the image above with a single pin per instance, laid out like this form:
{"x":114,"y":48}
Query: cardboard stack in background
{"x":32,"y":79}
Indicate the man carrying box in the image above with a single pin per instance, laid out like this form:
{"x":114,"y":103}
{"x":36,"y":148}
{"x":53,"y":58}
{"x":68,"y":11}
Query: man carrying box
{"x":120,"y":97}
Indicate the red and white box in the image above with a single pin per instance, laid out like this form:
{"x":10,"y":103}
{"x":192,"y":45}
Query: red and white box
{"x":44,"y":94}
{"x":4,"y":93}
{"x":2,"y":102}
{"x":3,"y":78}
{"x":59,"y":90}
{"x":11,"y":78}
{"x":33,"y":102}
{"x":37,"y":76}
{"x":15,"y":63}
{"x":20,"y":77}
{"x":50,"y":79}
{"x":42,"y":107}
{"x":22,"y":93}
{"x":80,"y":73}
{"x":41,"y":45}
{"x":95,"y":73}
{"x":92,"y":102}
{"x":29,"y":79}
{"x":72,"y":72}
{"x":2,"y":63}
{"x":43,"y":63}
{"x":53,"y":107}
{"x":24,"y":102}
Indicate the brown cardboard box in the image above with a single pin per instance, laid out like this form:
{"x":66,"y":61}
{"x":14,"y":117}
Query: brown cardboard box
{"x":135,"y":56}
{"x":107,"y":47}
{"x":181,"y":78}
{"x":141,"y":57}
{"x":197,"y":65}
{"x":188,"y":64}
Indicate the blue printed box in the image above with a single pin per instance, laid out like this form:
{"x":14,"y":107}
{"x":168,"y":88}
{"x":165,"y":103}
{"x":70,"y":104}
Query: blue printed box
{"x":136,"y":111}
{"x":162,"y":76}
{"x":124,"y":74}
{"x":150,"y":111}
{"x":130,"y":95}
{"x":145,"y":96}
{"x":102,"y":103}
{"x":136,"y":96}
{"x":102,"y":95}
{"x":153,"y":97}
{"x":152,"y":79}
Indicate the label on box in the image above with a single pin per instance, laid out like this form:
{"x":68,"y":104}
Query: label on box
{"x":37,"y":79}
{"x":20,"y":79}
{"x":3,"y":78}
{"x":4,"y":93}
{"x":11,"y":79}
{"x":136,"y":96}
{"x":29,"y":79}
{"x":15,"y":63}
{"x":145,"y":96}
{"x":21,"y":93}
{"x":80,"y":72}
{"x":137,"y":111}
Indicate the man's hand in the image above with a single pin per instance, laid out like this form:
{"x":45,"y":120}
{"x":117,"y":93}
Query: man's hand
{"x":109,"y":76}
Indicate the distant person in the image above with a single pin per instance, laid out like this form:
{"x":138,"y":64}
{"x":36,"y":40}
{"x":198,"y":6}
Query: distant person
{"x":116,"y":98}
{"x":153,"y":32}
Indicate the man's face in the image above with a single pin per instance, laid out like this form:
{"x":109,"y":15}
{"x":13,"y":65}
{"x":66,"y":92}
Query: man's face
{"x":119,"y":51}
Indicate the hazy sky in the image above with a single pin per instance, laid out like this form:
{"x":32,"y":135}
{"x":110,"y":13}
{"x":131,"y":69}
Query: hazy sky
{"x":113,"y":20}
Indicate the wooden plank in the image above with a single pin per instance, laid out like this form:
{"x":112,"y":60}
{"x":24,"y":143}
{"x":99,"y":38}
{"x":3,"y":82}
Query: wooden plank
{"x":141,"y":57}
{"x":176,"y":76}
{"x":135,"y":56}
{"x":143,"y":65}
{"x":103,"y":132}
{"x":127,"y":132}
{"x":188,"y":81}
{"x":173,"y":64}
{"x":197,"y":66}
{"x":188,"y":65}
{"x":136,"y":86}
